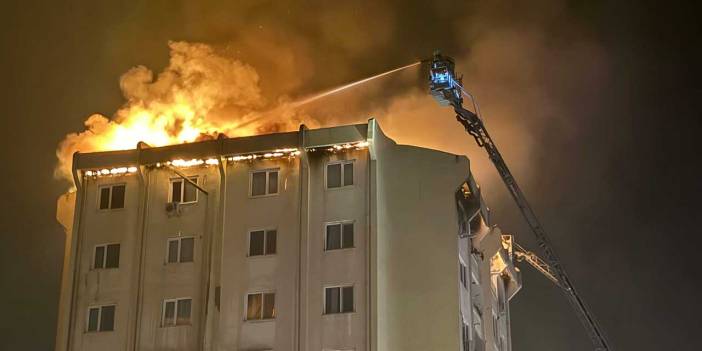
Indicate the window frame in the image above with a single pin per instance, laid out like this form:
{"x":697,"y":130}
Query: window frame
{"x":182,"y":189}
{"x":175,"y":312}
{"x":342,"y":163}
{"x":180,"y":246}
{"x":109,"y":200}
{"x":263,"y":301}
{"x":104,"y":257}
{"x":265,"y":242}
{"x":267,"y":171}
{"x":341,"y":299}
{"x":341,"y":224}
{"x":464,"y":276}
{"x":99,"y":318}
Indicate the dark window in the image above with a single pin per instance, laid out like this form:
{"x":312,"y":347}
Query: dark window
{"x":339,"y":236}
{"x":260,"y":306}
{"x":101,"y":318}
{"x":93,"y":319}
{"x":262,"y":242}
{"x":106,"y":256}
{"x":264,"y":182}
{"x":105,"y":198}
{"x":173,"y":251}
{"x":465,"y":335}
{"x":272,"y":182}
{"x":347,"y":235}
{"x":117,"y":200}
{"x":177,"y":191}
{"x":176,"y":312}
{"x":183,"y":191}
{"x":99,"y":257}
{"x":339,"y":174}
{"x":334,"y":175}
{"x":271,"y":237}
{"x":331,"y":300}
{"x":183,"y":311}
{"x":463,"y":274}
{"x":180,"y":250}
{"x":348,"y":174}
{"x":258,"y":184}
{"x":338,"y":299}
{"x":169,"y":312}
{"x":187,"y":246}
{"x":112,"y":196}
{"x":347,"y":299}
{"x":112,"y":257}
{"x":107,"y":318}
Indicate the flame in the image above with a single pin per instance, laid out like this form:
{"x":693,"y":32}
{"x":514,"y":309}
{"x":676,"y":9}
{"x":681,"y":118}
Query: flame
{"x":200,"y":94}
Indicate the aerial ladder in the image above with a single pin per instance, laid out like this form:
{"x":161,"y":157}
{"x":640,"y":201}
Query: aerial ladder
{"x":448,"y":90}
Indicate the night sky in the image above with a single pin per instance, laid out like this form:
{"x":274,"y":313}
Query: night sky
{"x":596,"y":107}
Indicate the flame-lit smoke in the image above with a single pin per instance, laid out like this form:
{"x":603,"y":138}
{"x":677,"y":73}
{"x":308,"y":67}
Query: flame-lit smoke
{"x":200,"y":94}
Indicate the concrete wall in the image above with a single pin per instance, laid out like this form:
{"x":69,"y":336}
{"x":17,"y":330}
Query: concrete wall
{"x":343,"y":331}
{"x":403,"y":266}
{"x":105,"y":286}
{"x":416,"y":261}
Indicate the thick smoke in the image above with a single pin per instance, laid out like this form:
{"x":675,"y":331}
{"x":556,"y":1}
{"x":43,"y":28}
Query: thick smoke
{"x":526,"y":82}
{"x":201,"y":93}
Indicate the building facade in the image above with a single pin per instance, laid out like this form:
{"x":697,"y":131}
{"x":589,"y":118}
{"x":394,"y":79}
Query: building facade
{"x":325,"y":239}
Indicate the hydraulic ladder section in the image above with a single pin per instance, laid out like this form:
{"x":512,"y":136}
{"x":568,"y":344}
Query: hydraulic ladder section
{"x":447,"y":89}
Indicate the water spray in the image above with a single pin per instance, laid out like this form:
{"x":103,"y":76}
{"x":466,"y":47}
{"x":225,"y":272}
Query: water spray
{"x":315,"y":97}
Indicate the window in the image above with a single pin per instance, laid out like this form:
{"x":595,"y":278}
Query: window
{"x":474,"y":273}
{"x":182,"y":191}
{"x":465,"y":335}
{"x":463,"y":270}
{"x":106,"y":256}
{"x":180,"y":250}
{"x":260,"y":306}
{"x":112,"y":197}
{"x":338,"y":299}
{"x":339,"y":236}
{"x":101,"y":318}
{"x":262,"y":242}
{"x":264,"y":182}
{"x":339,"y":174}
{"x":176,"y":312}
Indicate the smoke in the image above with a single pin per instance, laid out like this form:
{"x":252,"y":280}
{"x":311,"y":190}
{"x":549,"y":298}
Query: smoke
{"x":527,"y":82}
{"x":201,"y":93}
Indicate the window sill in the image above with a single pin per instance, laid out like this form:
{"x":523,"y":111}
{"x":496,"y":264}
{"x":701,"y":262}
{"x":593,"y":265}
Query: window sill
{"x":345,"y":187}
{"x":176,"y":326}
{"x":258,"y":257}
{"x":263,"y":196}
{"x":97,"y":332}
{"x":340,"y":249}
{"x":259,"y":320}
{"x":331,"y":315}
{"x":110,"y":210}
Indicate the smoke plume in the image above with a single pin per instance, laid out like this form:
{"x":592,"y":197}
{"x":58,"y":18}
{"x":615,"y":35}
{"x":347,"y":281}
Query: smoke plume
{"x":200,"y":94}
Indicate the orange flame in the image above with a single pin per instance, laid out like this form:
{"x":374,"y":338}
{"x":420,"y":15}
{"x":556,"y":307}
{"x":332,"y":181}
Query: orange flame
{"x":198,"y":95}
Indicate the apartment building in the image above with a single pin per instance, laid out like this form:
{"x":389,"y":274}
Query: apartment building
{"x":324,"y":239}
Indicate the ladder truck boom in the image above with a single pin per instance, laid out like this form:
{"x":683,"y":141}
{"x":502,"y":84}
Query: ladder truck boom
{"x":447,"y":89}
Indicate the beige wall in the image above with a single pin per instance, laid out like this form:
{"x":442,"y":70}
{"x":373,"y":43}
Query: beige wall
{"x":403,"y":266}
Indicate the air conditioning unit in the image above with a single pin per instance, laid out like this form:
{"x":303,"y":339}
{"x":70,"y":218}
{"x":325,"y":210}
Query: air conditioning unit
{"x":173,"y":209}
